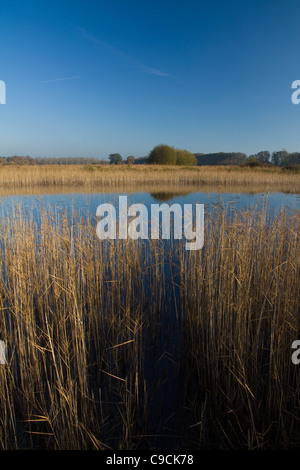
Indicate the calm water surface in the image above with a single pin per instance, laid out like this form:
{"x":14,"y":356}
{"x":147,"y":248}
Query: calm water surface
{"x":87,"y":203}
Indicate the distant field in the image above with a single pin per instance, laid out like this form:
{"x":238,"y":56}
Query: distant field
{"x":107,"y":176}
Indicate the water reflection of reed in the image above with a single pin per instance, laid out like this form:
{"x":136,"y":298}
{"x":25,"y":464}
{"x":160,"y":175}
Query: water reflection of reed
{"x":162,"y":193}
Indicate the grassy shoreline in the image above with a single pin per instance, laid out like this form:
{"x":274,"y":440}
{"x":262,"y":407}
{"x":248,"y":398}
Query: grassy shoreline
{"x":109,"y":176}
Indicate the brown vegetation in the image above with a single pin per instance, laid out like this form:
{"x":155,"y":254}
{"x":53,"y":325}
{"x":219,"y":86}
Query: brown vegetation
{"x":111,"y":176}
{"x":130,"y":344}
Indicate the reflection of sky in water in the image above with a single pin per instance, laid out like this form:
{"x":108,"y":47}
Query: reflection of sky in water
{"x":87,"y":203}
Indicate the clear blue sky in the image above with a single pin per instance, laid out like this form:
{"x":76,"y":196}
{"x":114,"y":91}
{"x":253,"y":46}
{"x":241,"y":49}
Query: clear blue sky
{"x":94,"y":77}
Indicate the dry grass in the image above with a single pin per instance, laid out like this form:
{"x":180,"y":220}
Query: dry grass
{"x":131,"y":344}
{"x":107,"y":176}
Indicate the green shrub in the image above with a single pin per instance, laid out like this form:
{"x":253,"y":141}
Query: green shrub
{"x":184,"y":157}
{"x":163,"y":155}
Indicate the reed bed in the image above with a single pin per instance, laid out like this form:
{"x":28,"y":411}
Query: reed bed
{"x":141,"y":344}
{"x":111,"y":176}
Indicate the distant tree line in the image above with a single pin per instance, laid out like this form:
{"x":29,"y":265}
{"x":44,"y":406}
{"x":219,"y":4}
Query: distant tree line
{"x":20,"y":160}
{"x":221,"y":158}
{"x":17,"y":160}
{"x":280,"y":158}
{"x":167,"y":155}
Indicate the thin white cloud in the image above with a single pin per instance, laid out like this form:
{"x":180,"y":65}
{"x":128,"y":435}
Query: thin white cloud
{"x":61,"y":79}
{"x":153,"y":71}
{"x":142,"y":67}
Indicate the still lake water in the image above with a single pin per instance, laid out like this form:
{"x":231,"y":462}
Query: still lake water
{"x":85,"y":204}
